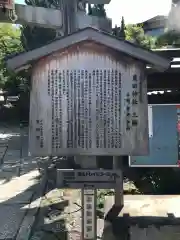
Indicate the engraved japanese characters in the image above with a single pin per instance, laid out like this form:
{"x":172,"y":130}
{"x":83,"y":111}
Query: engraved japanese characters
{"x":78,"y":87}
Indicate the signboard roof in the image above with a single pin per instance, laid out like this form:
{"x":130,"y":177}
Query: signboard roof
{"x":90,"y":34}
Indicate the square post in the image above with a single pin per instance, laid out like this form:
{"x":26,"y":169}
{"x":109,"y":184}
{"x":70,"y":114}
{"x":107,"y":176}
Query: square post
{"x":118,"y":197}
{"x":89,"y":202}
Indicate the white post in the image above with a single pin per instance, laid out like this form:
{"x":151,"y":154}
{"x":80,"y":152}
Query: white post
{"x":89,"y":199}
{"x":89,"y":218}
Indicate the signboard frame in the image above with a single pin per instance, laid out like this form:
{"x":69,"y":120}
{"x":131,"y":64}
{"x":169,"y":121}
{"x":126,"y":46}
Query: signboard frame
{"x":95,"y":108}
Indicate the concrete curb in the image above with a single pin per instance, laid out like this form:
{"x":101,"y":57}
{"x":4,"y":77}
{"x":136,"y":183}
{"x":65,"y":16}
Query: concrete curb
{"x":28,"y":222}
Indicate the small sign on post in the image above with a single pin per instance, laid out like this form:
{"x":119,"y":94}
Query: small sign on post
{"x":89,"y":214}
{"x":88,"y":179}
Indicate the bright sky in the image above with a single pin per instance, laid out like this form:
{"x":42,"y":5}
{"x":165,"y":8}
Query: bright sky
{"x":134,"y":11}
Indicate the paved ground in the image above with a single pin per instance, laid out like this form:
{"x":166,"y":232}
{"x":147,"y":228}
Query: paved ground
{"x":21,"y":195}
{"x":19,"y":185}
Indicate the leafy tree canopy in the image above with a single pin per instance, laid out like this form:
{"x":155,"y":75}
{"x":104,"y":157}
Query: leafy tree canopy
{"x":169,"y":38}
{"x":136,"y":34}
{"x":9,"y":43}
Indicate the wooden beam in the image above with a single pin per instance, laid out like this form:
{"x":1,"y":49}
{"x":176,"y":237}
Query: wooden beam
{"x":168,"y":52}
{"x":42,"y":17}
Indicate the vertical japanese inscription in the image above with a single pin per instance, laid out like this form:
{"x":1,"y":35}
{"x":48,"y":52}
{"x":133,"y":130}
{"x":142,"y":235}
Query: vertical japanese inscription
{"x":40,"y":133}
{"x":178,"y":133}
{"x":56,"y":120}
{"x":53,"y":109}
{"x":60,"y":108}
{"x":93,"y":108}
{"x":135,"y":99}
{"x":108,"y":143}
{"x":49,"y":83}
{"x":37,"y":131}
{"x":69,"y":110}
{"x":134,"y":91}
{"x":128,"y":112}
{"x":97,"y":108}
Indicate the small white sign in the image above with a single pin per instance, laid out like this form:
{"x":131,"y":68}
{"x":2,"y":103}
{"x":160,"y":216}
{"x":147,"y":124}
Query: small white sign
{"x":89,"y":215}
{"x":88,"y":179}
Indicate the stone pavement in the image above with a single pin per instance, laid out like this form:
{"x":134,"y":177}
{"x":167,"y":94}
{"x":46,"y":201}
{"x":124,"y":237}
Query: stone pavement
{"x":18,"y":205}
{"x":20,"y":188}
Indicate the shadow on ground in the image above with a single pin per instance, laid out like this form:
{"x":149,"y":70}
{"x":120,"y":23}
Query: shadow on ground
{"x":25,"y":206}
{"x":14,"y":160}
{"x":16,"y":196}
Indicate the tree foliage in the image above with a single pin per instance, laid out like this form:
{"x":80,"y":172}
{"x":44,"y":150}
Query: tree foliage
{"x":136,"y":34}
{"x":169,"y":38}
{"x":122,"y":33}
{"x":9,"y":44}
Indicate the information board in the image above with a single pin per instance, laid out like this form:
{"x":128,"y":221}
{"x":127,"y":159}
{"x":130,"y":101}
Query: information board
{"x":164,"y":138}
{"x":97,"y":109}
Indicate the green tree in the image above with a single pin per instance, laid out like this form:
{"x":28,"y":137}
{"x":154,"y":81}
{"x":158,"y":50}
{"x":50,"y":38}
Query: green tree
{"x":9,"y":44}
{"x":10,"y":82}
{"x":171,"y":38}
{"x":122,"y":33}
{"x":136,"y":34}
{"x":34,"y":37}
{"x":115,"y":31}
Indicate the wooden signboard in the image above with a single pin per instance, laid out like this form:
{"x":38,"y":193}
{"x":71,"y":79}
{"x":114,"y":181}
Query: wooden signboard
{"x":88,"y":102}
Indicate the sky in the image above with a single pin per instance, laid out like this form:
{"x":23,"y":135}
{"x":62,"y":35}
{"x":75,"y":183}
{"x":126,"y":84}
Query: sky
{"x":134,"y":11}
